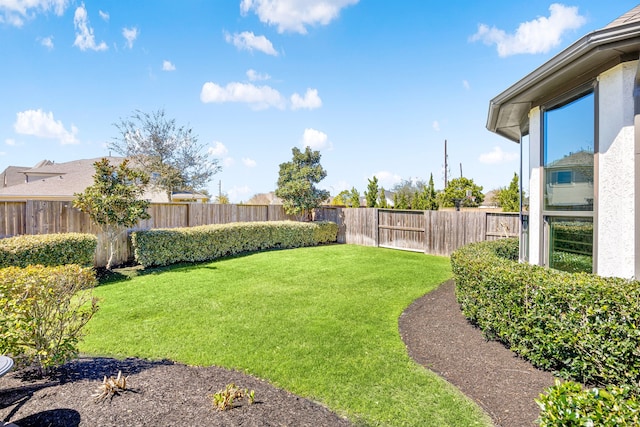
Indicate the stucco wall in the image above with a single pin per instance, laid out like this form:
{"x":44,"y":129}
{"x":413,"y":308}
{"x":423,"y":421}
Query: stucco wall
{"x":615,"y":198}
{"x":535,"y":188}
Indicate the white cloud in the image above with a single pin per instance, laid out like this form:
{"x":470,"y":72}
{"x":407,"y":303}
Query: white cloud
{"x":84,"y":33}
{"x":537,"y":36}
{"x":218,"y":149}
{"x":10,"y":141}
{"x":104,"y":15}
{"x":238,"y":194}
{"x":315,"y":139}
{"x":250,"y":163}
{"x":246,"y":40}
{"x":258,"y":97}
{"x":310,"y":101}
{"x":43,"y":125}
{"x":47,"y":42}
{"x":466,"y":85}
{"x":436,"y":125}
{"x":14,"y":12}
{"x":497,"y":156}
{"x":387,"y":179}
{"x":254,"y":76}
{"x":168,"y":66}
{"x":130,"y":34}
{"x":295,"y":15}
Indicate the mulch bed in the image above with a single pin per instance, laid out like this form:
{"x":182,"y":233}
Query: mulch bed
{"x":161,"y":394}
{"x":166,"y":393}
{"x":439,"y":337}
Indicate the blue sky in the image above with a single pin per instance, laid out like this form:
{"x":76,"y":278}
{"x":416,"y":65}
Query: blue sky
{"x":377,"y":86}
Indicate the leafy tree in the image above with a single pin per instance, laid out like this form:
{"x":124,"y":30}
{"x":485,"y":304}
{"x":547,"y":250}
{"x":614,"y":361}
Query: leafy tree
{"x":114,"y":200}
{"x":372,"y":193}
{"x":342,"y":199}
{"x":430,"y":196}
{"x":401,"y":201}
{"x":382,"y":198}
{"x":222,"y":199}
{"x":169,"y":152}
{"x":406,"y":192}
{"x":419,"y":200}
{"x":457,"y":190}
{"x":354,"y":198}
{"x":509,"y":197}
{"x":296,"y":183}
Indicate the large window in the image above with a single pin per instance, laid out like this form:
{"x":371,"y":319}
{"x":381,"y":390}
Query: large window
{"x":568,"y":161}
{"x":568,"y":155}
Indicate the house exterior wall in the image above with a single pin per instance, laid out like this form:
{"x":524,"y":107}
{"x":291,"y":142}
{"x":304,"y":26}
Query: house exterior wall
{"x":535,"y":187}
{"x":615,"y":228}
{"x":614,"y":221}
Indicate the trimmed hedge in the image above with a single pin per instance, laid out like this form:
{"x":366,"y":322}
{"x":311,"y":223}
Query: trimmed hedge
{"x":48,"y":250}
{"x":569,"y":405}
{"x":42,"y":312}
{"x":168,"y":246}
{"x":584,"y":327}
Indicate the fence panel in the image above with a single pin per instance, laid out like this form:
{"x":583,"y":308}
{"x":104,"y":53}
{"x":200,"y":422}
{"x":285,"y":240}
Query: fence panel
{"x":12,"y":218}
{"x":401,"y":229}
{"x":501,"y":225}
{"x":360,"y":226}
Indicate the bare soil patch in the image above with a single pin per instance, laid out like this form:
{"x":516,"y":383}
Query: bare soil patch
{"x":439,"y":337}
{"x":160,"y":393}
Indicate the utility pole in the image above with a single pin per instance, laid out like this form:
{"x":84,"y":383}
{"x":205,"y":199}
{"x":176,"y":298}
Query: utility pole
{"x":219,"y":190}
{"x":446,"y":166}
{"x":460,"y":169}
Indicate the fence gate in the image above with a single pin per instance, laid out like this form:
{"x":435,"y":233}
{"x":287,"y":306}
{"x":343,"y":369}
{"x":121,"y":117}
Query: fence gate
{"x":401,"y":229}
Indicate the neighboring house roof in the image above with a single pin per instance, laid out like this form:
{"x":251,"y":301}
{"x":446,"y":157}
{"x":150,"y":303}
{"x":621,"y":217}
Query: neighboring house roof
{"x":186,"y":196}
{"x":269,"y":198}
{"x":578,"y":64}
{"x":490,"y":199}
{"x":12,"y":175}
{"x":60,"y":181}
{"x":579,"y":158}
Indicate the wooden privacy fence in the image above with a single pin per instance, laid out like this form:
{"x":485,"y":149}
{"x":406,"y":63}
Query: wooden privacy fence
{"x":432,"y":232}
{"x":48,"y":217}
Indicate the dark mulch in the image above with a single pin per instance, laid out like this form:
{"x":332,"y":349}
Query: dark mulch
{"x":439,"y":337}
{"x":161,"y":394}
{"x":164,"y":393}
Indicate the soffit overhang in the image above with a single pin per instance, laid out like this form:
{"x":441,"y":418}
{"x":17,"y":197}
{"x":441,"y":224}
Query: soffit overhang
{"x":577,"y":65}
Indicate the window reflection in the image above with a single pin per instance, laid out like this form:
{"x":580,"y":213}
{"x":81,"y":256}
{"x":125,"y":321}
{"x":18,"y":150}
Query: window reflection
{"x":571,"y":244}
{"x":568,"y":155}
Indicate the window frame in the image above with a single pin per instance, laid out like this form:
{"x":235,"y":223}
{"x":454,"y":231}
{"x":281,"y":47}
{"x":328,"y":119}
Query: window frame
{"x":548,"y":214}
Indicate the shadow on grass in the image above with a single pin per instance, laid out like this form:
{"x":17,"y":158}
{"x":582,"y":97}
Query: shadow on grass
{"x":129,"y":271}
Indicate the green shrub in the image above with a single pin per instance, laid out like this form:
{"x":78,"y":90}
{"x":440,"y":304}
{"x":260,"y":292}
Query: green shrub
{"x":194,"y":244}
{"x":582,"y":326}
{"x":43,"y":310}
{"x":48,"y":250}
{"x":568,"y":405}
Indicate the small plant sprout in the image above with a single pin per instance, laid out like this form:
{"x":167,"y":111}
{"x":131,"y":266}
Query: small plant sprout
{"x":110,"y":387}
{"x":224,"y":399}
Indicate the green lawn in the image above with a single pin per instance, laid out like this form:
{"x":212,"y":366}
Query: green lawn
{"x":321,"y":322}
